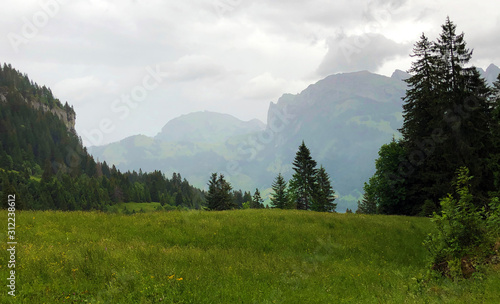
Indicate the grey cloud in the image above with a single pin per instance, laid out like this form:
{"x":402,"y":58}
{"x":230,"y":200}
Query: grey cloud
{"x":363,"y":52}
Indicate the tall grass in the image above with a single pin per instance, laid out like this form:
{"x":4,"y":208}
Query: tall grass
{"x":242,"y":256}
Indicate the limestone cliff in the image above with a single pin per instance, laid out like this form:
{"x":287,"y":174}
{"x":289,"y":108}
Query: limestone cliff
{"x":65,"y":113}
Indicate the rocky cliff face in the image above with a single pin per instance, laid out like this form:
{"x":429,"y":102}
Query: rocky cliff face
{"x":66,"y":115}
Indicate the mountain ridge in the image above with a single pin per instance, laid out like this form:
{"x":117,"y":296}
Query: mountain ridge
{"x":206,"y":126}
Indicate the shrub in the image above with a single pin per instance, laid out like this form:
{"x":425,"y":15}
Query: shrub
{"x":462,"y":239}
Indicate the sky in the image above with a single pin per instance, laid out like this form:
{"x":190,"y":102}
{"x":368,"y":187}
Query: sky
{"x":128,"y":67}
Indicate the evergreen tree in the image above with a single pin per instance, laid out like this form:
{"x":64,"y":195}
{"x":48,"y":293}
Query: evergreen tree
{"x":324,"y":195}
{"x":369,"y":203}
{"x":446,"y":119}
{"x":495,"y":134}
{"x":279,"y":198}
{"x":257,"y":202}
{"x":467,"y":114}
{"x":423,"y":115}
{"x":219,"y":193}
{"x":302,"y":186}
{"x":179,"y":201}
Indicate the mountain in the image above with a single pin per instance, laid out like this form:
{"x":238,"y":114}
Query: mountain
{"x":206,"y":127}
{"x":491,"y":73}
{"x":343,"y":119}
{"x":400,"y":75}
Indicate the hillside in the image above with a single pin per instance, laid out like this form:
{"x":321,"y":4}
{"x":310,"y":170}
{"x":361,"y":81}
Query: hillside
{"x":206,"y":127}
{"x":43,"y":161}
{"x":241,"y":256}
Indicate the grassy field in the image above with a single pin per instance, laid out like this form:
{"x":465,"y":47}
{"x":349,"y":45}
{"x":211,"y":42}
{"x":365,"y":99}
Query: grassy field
{"x":242,"y":256}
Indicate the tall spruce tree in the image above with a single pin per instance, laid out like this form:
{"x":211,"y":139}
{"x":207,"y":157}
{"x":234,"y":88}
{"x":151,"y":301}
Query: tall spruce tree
{"x":302,"y":186}
{"x":495,"y":134}
{"x":324,"y":195}
{"x":257,"y":201}
{"x":219,"y":193}
{"x":279,"y":198}
{"x":422,"y":127}
{"x":368,"y":205}
{"x":446,"y":118}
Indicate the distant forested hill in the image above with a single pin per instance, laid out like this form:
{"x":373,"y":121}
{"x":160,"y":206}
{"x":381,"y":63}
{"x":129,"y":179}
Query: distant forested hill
{"x":43,"y":162}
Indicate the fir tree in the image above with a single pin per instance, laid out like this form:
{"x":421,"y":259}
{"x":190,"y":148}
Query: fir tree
{"x":302,"y":186}
{"x":369,"y":204}
{"x":446,"y":119}
{"x":257,"y":202}
{"x":324,"y":195}
{"x":279,"y":198}
{"x":495,"y":133}
{"x":219,"y":193}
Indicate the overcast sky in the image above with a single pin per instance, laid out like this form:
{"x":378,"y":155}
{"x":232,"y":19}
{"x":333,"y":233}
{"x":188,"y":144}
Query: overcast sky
{"x":128,"y":66}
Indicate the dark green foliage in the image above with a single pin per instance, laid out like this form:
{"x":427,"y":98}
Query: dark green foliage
{"x":309,"y":188}
{"x":324,"y":195}
{"x":219,"y":193}
{"x":302,"y":186}
{"x":279,"y":198}
{"x":493,"y":219}
{"x":447,"y":123}
{"x":369,"y":203}
{"x":462,"y":240}
{"x":386,"y":187}
{"x":494,"y":163}
{"x":257,"y":201}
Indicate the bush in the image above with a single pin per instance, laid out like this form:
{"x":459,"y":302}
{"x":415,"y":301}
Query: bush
{"x":168,"y":207}
{"x":493,"y":220}
{"x":462,"y":240}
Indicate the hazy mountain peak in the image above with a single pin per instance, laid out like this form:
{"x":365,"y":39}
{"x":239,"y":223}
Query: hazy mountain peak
{"x":400,"y":75}
{"x":492,"y":69}
{"x":206,"y":126}
{"x":491,"y":73}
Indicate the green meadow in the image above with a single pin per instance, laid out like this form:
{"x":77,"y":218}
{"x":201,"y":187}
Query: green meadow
{"x":240,"y":256}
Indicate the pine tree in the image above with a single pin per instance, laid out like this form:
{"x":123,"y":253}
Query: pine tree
{"x":257,"y":202}
{"x":495,"y":134}
{"x":446,"y":119}
{"x":219,"y":193}
{"x":467,"y":116}
{"x":279,"y":198}
{"x":302,"y":186}
{"x":324,"y":195}
{"x":369,"y":204}
{"x":423,"y":115}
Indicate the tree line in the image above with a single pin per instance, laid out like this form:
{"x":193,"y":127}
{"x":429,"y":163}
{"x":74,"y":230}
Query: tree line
{"x":309,"y":188}
{"x":451,"y":120}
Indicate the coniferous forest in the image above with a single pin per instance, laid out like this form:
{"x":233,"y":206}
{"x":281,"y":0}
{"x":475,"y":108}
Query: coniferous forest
{"x":451,"y":120}
{"x":43,"y":161}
